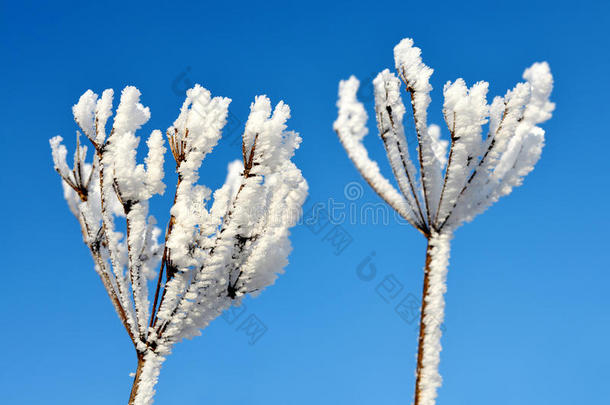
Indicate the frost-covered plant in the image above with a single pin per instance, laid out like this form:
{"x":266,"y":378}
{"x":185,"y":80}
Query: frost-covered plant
{"x":444,"y":191}
{"x":215,"y":250}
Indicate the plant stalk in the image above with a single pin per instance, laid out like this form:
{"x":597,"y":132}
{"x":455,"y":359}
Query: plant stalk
{"x":136,"y":380}
{"x":422,"y":327}
{"x":428,"y":379}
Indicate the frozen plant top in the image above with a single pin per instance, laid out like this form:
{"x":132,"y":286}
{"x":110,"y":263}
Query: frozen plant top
{"x":445,"y":188}
{"x":219,"y":245}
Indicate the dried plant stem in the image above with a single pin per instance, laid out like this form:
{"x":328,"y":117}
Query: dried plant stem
{"x":164,"y":260}
{"x":422,"y":327}
{"x":428,"y":379}
{"x":136,"y":379}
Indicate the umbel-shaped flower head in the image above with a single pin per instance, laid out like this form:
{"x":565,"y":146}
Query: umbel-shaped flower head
{"x":447,"y":189}
{"x":219,"y":246}
{"x":444,"y":189}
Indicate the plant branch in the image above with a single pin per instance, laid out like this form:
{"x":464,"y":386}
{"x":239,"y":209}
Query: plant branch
{"x":248,"y":160}
{"x":476,"y":171}
{"x":449,"y":161}
{"x":164,"y":259}
{"x":105,"y":277}
{"x":405,"y":166}
{"x":105,"y":216}
{"x":411,"y":92}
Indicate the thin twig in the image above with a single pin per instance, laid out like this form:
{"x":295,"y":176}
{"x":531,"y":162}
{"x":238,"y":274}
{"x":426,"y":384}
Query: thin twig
{"x":411,"y":91}
{"x":164,"y":259}
{"x":105,"y":214}
{"x":405,"y":167}
{"x":454,"y":140}
{"x":492,"y":143}
{"x":248,"y":165}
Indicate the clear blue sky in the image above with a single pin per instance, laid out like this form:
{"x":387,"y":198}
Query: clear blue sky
{"x":528,"y":308}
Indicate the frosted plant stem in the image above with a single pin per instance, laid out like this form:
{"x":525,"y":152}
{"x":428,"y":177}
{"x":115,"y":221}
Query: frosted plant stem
{"x":145,"y":380}
{"x":428,"y":378}
{"x":136,"y":379}
{"x":217,"y":248}
{"x":422,"y":330}
{"x":455,"y":188}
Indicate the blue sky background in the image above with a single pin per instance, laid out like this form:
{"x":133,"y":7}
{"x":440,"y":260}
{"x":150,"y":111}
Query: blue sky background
{"x":528,"y":309}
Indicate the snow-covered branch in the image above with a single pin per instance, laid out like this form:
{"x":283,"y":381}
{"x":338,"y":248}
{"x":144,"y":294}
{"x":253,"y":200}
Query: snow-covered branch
{"x":218,"y":246}
{"x":446,"y":189}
